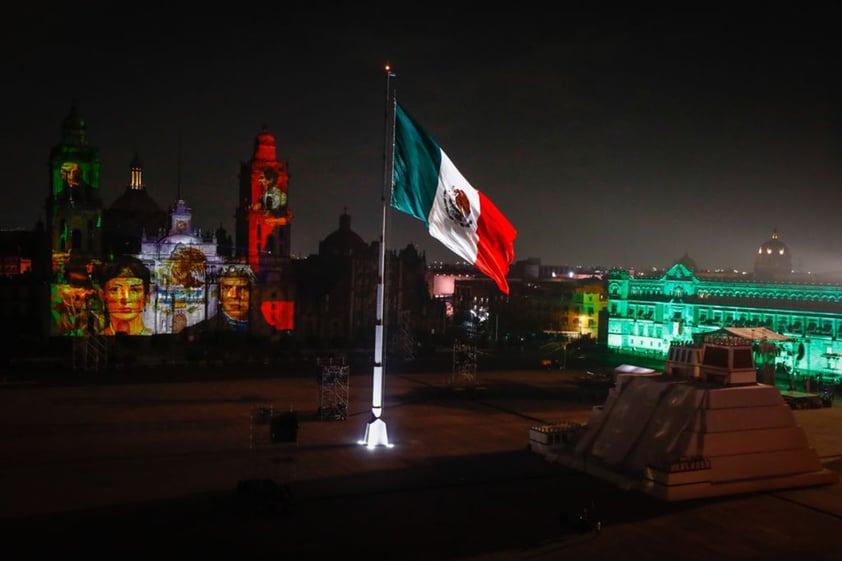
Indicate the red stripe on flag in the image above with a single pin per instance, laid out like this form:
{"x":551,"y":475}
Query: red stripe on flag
{"x":495,"y":249}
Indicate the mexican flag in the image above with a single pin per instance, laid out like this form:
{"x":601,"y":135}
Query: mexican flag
{"x":426,"y":185}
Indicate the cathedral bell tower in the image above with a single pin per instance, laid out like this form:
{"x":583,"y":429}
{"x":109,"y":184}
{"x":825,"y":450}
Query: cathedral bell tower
{"x":74,"y":204}
{"x":263,"y":216}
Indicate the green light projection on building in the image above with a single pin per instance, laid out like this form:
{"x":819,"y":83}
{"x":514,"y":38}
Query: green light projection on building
{"x":647,"y":314}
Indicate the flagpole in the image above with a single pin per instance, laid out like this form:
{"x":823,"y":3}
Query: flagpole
{"x":375,"y":430}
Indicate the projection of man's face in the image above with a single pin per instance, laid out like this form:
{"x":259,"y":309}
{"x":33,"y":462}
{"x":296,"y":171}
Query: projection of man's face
{"x":235,"y":292}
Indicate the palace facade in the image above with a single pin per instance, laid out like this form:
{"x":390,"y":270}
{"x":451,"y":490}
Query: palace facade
{"x":646,"y":314}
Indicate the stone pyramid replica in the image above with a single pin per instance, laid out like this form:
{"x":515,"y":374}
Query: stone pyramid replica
{"x":715,"y":432}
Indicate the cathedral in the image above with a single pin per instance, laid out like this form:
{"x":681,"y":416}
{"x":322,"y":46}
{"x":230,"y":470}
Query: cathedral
{"x":134,"y":268}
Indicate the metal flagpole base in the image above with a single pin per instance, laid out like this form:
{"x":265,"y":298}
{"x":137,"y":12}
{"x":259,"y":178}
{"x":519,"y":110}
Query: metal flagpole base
{"x":375,"y":434}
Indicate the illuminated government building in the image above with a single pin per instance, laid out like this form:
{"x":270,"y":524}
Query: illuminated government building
{"x":646,"y":314}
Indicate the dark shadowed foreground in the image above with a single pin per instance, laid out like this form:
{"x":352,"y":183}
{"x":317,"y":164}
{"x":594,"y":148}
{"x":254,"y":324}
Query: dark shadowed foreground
{"x":143,"y":469}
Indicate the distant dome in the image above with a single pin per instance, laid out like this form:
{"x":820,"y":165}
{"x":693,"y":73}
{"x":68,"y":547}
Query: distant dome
{"x":136,"y":201}
{"x":773,"y":259}
{"x":344,"y":241}
{"x":133,"y":216}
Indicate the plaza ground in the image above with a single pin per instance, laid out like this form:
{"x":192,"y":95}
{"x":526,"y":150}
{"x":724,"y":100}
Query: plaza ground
{"x":132,"y":467}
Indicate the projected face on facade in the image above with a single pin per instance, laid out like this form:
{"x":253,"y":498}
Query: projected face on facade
{"x":72,"y":307}
{"x":268,"y":179}
{"x":71,"y":174}
{"x":72,"y":185}
{"x":272,"y":198}
{"x":235,"y":295}
{"x":71,"y":181}
{"x":125,"y":290}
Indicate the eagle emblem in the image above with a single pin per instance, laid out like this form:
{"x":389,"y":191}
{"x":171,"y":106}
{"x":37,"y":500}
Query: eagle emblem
{"x":457,"y":206}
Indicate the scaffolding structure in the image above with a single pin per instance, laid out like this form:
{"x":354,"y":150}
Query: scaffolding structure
{"x":334,"y":390}
{"x":464,"y":365}
{"x":90,"y":353}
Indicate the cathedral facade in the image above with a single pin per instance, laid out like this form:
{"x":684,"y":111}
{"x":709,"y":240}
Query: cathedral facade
{"x":135,"y":269}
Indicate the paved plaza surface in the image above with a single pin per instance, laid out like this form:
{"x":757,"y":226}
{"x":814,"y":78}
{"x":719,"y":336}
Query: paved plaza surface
{"x":132,"y":468}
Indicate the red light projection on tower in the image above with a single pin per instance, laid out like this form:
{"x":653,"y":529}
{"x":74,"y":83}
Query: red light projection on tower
{"x":279,"y":314}
{"x":268,"y":211}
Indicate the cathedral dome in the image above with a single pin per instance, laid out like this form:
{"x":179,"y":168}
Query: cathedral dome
{"x":137,"y":201}
{"x":773,"y":258}
{"x":344,"y":241}
{"x":133,"y":216}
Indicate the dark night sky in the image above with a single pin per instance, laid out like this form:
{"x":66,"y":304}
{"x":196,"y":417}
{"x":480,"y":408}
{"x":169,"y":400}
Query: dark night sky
{"x":621,"y":140}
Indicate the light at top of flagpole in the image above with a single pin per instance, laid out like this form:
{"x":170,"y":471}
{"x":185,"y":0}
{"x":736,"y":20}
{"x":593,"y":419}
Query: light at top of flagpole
{"x":388,"y":69}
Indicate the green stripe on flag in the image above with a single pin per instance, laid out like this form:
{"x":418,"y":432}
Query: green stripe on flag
{"x":415,"y":176}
